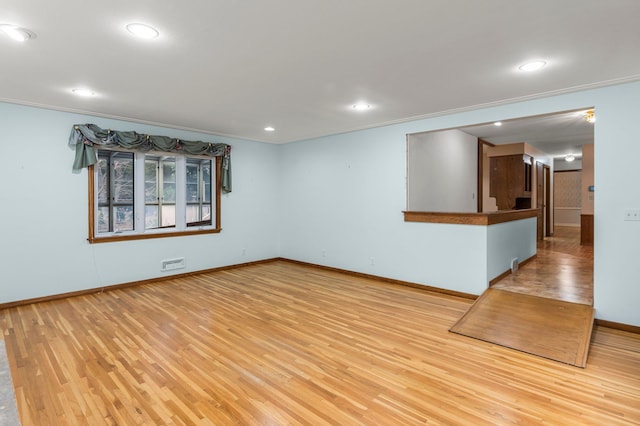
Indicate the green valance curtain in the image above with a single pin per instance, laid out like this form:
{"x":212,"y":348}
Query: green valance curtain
{"x":85,"y":136}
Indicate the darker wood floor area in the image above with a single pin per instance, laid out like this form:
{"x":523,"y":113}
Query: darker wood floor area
{"x":281,"y":343}
{"x":549,"y":328}
{"x":561,"y":270}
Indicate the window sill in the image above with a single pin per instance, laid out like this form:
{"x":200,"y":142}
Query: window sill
{"x":115,"y":238}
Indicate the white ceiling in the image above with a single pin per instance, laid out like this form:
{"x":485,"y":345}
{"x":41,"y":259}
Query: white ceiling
{"x":555,"y":134}
{"x":232,"y":67}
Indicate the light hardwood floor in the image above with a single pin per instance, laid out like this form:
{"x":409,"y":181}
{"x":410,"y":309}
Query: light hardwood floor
{"x":561,"y":270}
{"x":281,"y":343}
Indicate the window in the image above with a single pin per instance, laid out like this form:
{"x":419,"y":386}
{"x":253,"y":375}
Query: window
{"x":114,"y":205}
{"x":198,"y":192}
{"x":135,"y":195}
{"x":159,"y":192}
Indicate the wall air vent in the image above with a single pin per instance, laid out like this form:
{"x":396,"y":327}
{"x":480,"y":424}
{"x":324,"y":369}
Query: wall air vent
{"x":171,"y":264}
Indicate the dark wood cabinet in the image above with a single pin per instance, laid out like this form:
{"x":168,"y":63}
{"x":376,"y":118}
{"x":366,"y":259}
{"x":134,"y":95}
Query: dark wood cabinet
{"x":510,"y":181}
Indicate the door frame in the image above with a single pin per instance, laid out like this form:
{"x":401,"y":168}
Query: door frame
{"x":548,"y":221}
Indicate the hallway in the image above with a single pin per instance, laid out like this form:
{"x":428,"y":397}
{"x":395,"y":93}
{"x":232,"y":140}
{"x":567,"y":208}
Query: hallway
{"x":562,"y":270}
{"x":545,"y":308}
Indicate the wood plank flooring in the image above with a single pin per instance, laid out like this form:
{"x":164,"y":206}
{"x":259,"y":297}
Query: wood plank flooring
{"x":561,"y":270}
{"x":281,"y":343}
{"x":544,"y":308}
{"x":549,"y":328}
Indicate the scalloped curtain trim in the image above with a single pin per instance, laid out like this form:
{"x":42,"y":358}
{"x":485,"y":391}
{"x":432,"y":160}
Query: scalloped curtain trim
{"x":84,"y":138}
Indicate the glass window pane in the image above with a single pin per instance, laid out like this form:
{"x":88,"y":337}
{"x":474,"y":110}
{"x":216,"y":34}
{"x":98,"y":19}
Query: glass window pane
{"x":169,"y":192}
{"x":206,"y":212}
{"x":206,"y":177}
{"x":150,"y":181}
{"x":122,"y":169}
{"x":169,"y":169}
{"x":192,"y":181}
{"x":150,"y":217}
{"x":192,"y":171}
{"x":103,"y":181}
{"x":169,"y":215}
{"x":123,"y":218}
{"x":169,"y":181}
{"x":192,"y":193}
{"x":103,"y":219}
{"x":193,"y":213}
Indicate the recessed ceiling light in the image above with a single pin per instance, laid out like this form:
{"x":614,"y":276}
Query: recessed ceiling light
{"x":142,"y":30}
{"x":83,"y":92}
{"x":361,"y":106}
{"x":532,"y":66}
{"x":498,"y":123}
{"x":269,"y":129}
{"x":569,"y":158}
{"x":17,"y":33}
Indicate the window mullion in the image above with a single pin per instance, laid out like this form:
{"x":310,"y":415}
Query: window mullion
{"x":181,"y":193}
{"x":96,"y":198}
{"x":138,"y":200}
{"x":112,"y":191}
{"x":201,"y":187}
{"x":160,"y":175}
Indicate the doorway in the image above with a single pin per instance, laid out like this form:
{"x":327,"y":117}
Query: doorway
{"x":561,"y":270}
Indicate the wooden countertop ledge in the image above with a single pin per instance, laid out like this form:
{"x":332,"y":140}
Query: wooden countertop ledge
{"x":488,"y":218}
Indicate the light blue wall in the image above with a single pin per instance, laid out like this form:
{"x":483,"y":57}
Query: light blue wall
{"x":449,"y":157}
{"x":509,"y":240}
{"x":343,"y":197}
{"x":335,"y":201}
{"x":342,"y":207}
{"x":617,"y":243}
{"x":43,"y":219}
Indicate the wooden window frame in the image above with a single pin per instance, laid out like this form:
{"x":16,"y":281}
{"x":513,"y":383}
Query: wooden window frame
{"x":145,"y":235}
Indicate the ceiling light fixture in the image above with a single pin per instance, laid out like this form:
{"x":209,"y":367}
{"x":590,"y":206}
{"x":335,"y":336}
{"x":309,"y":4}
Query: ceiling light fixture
{"x":498,"y":123}
{"x":83,"y":92}
{"x":17,"y":33}
{"x":532,"y":66}
{"x":569,"y":158}
{"x":269,"y":129}
{"x":361,"y":106}
{"x":590,"y":116}
{"x":142,"y":30}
